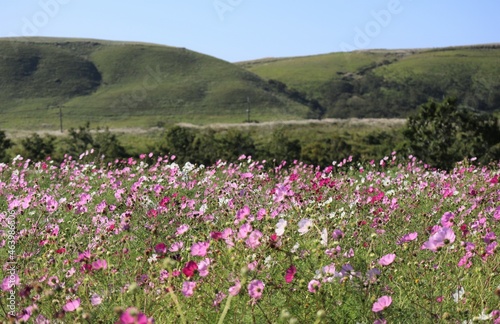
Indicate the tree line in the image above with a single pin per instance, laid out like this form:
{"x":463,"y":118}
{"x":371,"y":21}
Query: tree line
{"x":439,"y":133}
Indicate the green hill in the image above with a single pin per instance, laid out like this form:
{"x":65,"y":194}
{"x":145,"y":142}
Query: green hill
{"x":123,"y":84}
{"x":390,"y":83}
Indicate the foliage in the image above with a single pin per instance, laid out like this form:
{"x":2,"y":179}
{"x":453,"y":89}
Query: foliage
{"x":442,"y":134}
{"x":5,"y":144}
{"x":281,"y":148}
{"x":82,"y":140}
{"x":316,"y":110}
{"x":38,"y":148}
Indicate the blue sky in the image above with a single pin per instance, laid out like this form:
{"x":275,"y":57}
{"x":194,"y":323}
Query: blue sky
{"x":237,"y":30}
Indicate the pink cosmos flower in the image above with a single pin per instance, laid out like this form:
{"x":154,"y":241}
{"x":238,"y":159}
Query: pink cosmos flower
{"x":313,"y":286}
{"x":70,"y":272}
{"x":337,"y":234}
{"x":83,"y":256}
{"x":26,"y":313}
{"x":255,"y":289}
{"x":71,"y":305}
{"x":407,"y":238}
{"x":387,"y":259}
{"x":188,"y":288}
{"x":10,"y":281}
{"x":200,"y":249}
{"x":177,"y":246}
{"x":381,"y":304}
{"x":99,"y":264}
{"x":380,"y":321}
{"x":203,"y":267}
{"x":52,"y":281}
{"x":219,"y":297}
{"x":241,"y":214}
{"x":234,"y":290}
{"x":95,"y":300}
{"x":489,"y":237}
{"x":252,"y":265}
{"x":51,"y":204}
{"x":244,"y":230}
{"x":447,"y":219}
{"x":290,"y":273}
{"x":253,"y":239}
{"x":443,"y":236}
{"x":182,"y":229}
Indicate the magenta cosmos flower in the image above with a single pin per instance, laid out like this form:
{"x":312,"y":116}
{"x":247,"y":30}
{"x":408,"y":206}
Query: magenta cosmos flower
{"x":132,"y":316}
{"x":387,"y":259}
{"x":381,"y":304}
{"x":190,"y":268}
{"x":443,"y":236}
{"x":290,"y":273}
{"x":255,"y":289}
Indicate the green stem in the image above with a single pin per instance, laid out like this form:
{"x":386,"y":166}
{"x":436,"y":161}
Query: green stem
{"x":226,"y":309}
{"x":177,"y":304}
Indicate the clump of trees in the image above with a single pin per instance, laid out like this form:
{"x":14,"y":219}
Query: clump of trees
{"x":442,"y":134}
{"x":5,"y":144}
{"x":37,"y":148}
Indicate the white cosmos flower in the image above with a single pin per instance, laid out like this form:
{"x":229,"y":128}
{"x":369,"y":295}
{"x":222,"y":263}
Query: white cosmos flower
{"x":458,"y":294}
{"x":305,"y":225}
{"x":324,"y":237}
{"x":280,"y":227}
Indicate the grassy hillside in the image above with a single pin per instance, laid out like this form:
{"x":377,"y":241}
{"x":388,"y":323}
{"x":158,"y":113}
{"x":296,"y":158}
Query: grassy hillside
{"x":123,"y":84}
{"x":390,"y":83}
{"x":127,"y":84}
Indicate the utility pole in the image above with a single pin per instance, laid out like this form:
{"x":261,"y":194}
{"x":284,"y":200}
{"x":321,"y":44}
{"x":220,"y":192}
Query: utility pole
{"x":60,"y":119}
{"x":248,"y":109}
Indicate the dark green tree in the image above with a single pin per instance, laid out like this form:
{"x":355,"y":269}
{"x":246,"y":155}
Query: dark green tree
{"x":232,"y":143}
{"x":107,"y":144}
{"x":442,"y":134}
{"x":179,"y":141}
{"x":37,"y":148}
{"x":281,"y":148}
{"x":5,"y":144}
{"x":79,"y":140}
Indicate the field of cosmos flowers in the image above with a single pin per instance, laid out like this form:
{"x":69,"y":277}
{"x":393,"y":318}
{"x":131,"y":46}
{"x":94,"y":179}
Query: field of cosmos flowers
{"x":146,"y":240}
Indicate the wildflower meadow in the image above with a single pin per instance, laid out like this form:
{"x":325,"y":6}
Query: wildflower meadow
{"x":149,"y":241}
